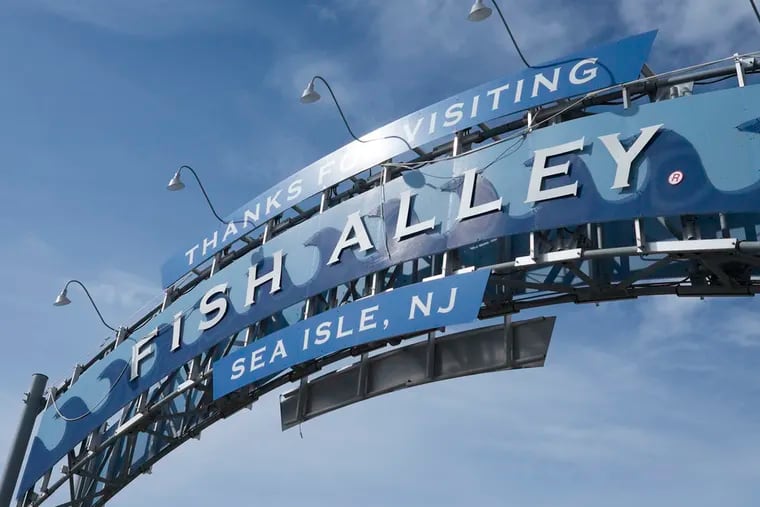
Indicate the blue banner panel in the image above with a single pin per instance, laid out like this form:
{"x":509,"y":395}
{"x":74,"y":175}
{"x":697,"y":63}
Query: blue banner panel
{"x":690,"y":155}
{"x":570,"y":76}
{"x":414,"y":308}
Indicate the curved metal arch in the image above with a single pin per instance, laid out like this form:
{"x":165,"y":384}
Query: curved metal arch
{"x":181,"y":407}
{"x":559,"y":267}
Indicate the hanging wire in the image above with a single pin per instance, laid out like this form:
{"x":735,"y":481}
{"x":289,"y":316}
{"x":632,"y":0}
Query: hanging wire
{"x":91,"y":301}
{"x":203,"y":189}
{"x":509,"y":31}
{"x":345,"y":122}
{"x":754,"y":8}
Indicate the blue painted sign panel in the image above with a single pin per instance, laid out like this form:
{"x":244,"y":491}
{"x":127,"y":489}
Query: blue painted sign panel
{"x":603,"y":168}
{"x":570,"y":76}
{"x":414,"y":308}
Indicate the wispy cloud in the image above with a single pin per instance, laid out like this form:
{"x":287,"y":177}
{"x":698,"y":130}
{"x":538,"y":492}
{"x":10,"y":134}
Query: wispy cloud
{"x":147,"y":18}
{"x":598,"y":412}
{"x":697,"y":29}
{"x":126,"y":293}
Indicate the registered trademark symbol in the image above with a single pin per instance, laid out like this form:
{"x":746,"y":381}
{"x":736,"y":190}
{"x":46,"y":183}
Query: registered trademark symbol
{"x":675,"y":177}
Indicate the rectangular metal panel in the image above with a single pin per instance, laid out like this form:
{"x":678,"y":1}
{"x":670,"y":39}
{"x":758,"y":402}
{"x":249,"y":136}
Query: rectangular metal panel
{"x":455,"y":355}
{"x":427,"y":305}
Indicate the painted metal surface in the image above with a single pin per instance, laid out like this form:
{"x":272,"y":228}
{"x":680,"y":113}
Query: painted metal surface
{"x":569,"y":76}
{"x":495,"y":348}
{"x":703,"y":137}
{"x":414,"y":308}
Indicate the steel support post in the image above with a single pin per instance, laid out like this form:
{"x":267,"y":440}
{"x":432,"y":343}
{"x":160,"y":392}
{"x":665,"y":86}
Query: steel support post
{"x":32,"y":406}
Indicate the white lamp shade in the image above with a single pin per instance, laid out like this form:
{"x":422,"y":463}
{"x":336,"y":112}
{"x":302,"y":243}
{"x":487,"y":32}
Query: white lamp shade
{"x":175,"y":183}
{"x":478,"y":11}
{"x":309,"y":94}
{"x":62,"y":299}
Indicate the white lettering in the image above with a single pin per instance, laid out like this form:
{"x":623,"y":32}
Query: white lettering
{"x":418,"y":304}
{"x":466,"y":208}
{"x":272,"y":201}
{"x":177,"y":325}
{"x":274,"y":276}
{"x":324,"y":170}
{"x":190,"y":254}
{"x":256,"y":360}
{"x":452,"y":301}
{"x":212,"y":243}
{"x":541,"y":171}
{"x":209,"y":305}
{"x":587,"y":74}
{"x":354,"y":233}
{"x":410,"y":135}
{"x":453,"y":114}
{"x":496,"y":92}
{"x":474,"y":110}
{"x":540,"y":79}
{"x":367,"y":317}
{"x":518,"y":91}
{"x":403,"y":229}
{"x":238,"y":368}
{"x":294,"y":189}
{"x":279,"y":351}
{"x":141,"y":350}
{"x":624,"y":159}
{"x":251,"y":217}
{"x":323,"y":330}
{"x":231,"y":229}
{"x":340,"y":333}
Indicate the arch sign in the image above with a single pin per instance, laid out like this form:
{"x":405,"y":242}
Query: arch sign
{"x":566,"y":77}
{"x":646,"y":161}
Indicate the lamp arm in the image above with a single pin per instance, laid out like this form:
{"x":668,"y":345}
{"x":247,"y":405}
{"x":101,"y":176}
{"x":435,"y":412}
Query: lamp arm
{"x":205,"y":195}
{"x":345,"y":122}
{"x":91,"y":301}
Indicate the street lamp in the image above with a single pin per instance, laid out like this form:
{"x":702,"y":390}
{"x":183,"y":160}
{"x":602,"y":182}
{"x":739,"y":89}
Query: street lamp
{"x":479,"y":11}
{"x":175,"y":184}
{"x":310,"y":95}
{"x":63,"y":300}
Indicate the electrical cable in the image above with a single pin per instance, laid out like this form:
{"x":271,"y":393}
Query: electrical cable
{"x":509,"y":31}
{"x":90,"y":410}
{"x":526,"y":130}
{"x":345,"y":122}
{"x":519,"y":134}
{"x":522,"y":133}
{"x":202,"y":190}
{"x":517,"y":47}
{"x":91,"y":301}
{"x":754,"y":8}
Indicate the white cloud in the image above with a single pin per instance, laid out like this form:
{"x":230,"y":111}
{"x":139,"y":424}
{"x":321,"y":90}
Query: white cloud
{"x":607,"y":405}
{"x":667,"y":317}
{"x":146,"y":18}
{"x":600,"y":408}
{"x":125,"y":293}
{"x":323,"y":12}
{"x":707,"y":29}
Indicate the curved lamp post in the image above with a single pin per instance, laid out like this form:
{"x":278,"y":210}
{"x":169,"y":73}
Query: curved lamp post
{"x":175,"y":184}
{"x":63,"y":300}
{"x":479,"y":11}
{"x":311,"y":95}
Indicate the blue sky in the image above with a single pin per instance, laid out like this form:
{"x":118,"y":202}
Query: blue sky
{"x":651,"y":402}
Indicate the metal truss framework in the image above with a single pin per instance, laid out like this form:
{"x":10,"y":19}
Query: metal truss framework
{"x":711,"y":255}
